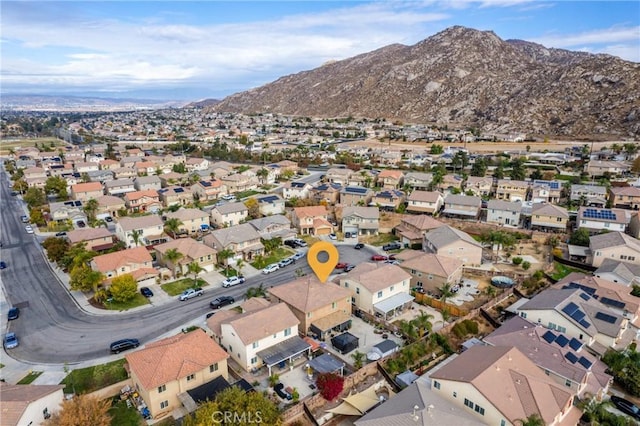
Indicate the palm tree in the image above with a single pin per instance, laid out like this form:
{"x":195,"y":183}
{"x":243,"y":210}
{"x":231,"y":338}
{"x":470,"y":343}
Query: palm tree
{"x":255,"y":292}
{"x":172,"y":226}
{"x":135,"y":236}
{"x":532,"y":420}
{"x":195,"y":269}
{"x":423,"y":323}
{"x":358,"y":359}
{"x":409,"y":330}
{"x":262,"y":175}
{"x":173,"y":256}
{"x":223,"y":255}
{"x":239,"y":265}
{"x":594,"y":410}
{"x":90,"y":208}
{"x":445,"y":291}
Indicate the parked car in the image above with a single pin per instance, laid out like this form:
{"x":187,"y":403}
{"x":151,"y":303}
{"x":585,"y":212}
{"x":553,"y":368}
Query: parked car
{"x":392,"y":262}
{"x":14,"y":193}
{"x":341,"y":265}
{"x":349,"y":268}
{"x":13,"y":314}
{"x":285,"y":262}
{"x":146,"y":292}
{"x":124,"y":344}
{"x":300,"y":243}
{"x":291,"y":243}
{"x":61,"y":234}
{"x":297,"y":256}
{"x":333,"y":237}
{"x":221,"y":301}
{"x":626,"y":406}
{"x":231,"y":281}
{"x":24,"y":219}
{"x":209,"y":315}
{"x":10,"y":341}
{"x":191,"y":293}
{"x":391,"y":246}
{"x":347,"y":234}
{"x":228,"y":197}
{"x":108,"y":219}
{"x":3,"y":264}
{"x":29,"y":229}
{"x":378,"y":257}
{"x":358,"y":246}
{"x":81,"y":224}
{"x":270,"y":268}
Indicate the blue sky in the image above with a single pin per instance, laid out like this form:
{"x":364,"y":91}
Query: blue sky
{"x":195,"y":50}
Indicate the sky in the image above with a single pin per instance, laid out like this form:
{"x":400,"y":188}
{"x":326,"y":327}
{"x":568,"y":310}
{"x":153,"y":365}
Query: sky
{"x":183,"y":50}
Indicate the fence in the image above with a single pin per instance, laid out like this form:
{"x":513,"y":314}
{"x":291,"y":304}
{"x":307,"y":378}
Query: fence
{"x":111,"y":390}
{"x":573,"y":264}
{"x":438,"y":304}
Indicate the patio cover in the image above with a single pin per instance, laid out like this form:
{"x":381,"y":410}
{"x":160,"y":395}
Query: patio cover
{"x":326,"y":363}
{"x":461,"y":212}
{"x":578,"y":251}
{"x":392,"y":302}
{"x":357,"y":404}
{"x":283,"y":351}
{"x":330,"y":321}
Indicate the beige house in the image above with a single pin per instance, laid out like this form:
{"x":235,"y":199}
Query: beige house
{"x":625,"y":197}
{"x":615,"y":246}
{"x":391,"y":179}
{"x":229,"y":214}
{"x":388,"y":199}
{"x":462,"y":206}
{"x":149,"y":230}
{"x":86,"y":191}
{"x":193,"y":220}
{"x":142,"y":201}
{"x":338,"y":175}
{"x":135,"y":261}
{"x":431,"y":271}
{"x":360,"y":220}
{"x":549,"y":217}
{"x":479,"y":186}
{"x":326,"y":192}
{"x":500,"y":212}
{"x":320,"y":307}
{"x":119,"y":187}
{"x":602,"y":167}
{"x":191,"y":250}
{"x":208,"y":190}
{"x":512,"y":190}
{"x":451,"y":242}
{"x":108,"y":204}
{"x":425,"y":202}
{"x":355,"y":196}
{"x":418,"y":181}
{"x":412,"y":229}
{"x":270,"y":204}
{"x":143,"y":183}
{"x":382,"y":289}
{"x":298,"y":190}
{"x":243,"y":240}
{"x":22,"y":405}
{"x":173,"y":178}
{"x":312,"y":220}
{"x":165,"y":370}
{"x":239,"y":182}
{"x":501,"y":386}
{"x":96,"y":239}
{"x":175,"y":196}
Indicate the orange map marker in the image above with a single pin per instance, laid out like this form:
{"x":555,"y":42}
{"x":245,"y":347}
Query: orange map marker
{"x":322,"y":269}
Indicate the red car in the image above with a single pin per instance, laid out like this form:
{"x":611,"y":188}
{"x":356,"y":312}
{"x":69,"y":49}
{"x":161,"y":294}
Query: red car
{"x":341,"y":265}
{"x":378,"y":257}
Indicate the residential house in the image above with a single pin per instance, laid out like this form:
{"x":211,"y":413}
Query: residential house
{"x":143,"y":201}
{"x":391,"y":179}
{"x":499,"y":385}
{"x":95,"y":239}
{"x":191,"y":250}
{"x":320,"y":307}
{"x":549,"y":191}
{"x":64,"y":211}
{"x":194,"y":164}
{"x":165,"y":370}
{"x":239,"y":182}
{"x":109,"y":205}
{"x":263,"y":334}
{"x":146,"y":168}
{"x":148,"y":230}
{"x":173,"y":178}
{"x":360,"y":220}
{"x":275,"y":226}
{"x":479,"y":186}
{"x":620,"y":272}
{"x":135,"y":261}
{"x":208,"y":190}
{"x":431,"y":271}
{"x":34,"y":172}
{"x":175,"y":196}
{"x":339,"y":176}
{"x":243,"y":240}
{"x":589,"y":195}
{"x":451,"y":182}
{"x":86,"y":167}
{"x":193,"y":221}
{"x":86,"y":191}
{"x":451,"y":242}
{"x":573,"y":312}
{"x":326,"y":193}
{"x":549,"y":217}
{"x":597,"y":220}
{"x":418,"y":180}
{"x":229,"y":214}
{"x":388,"y":200}
{"x":145,"y":183}
{"x":299,"y":190}
{"x":615,"y":246}
{"x":625,"y":197}
{"x":270,"y":204}
{"x":596,"y":168}
{"x":22,"y":405}
{"x":382,"y":289}
{"x":109,"y":164}
{"x":312,"y":220}
{"x":124,"y":173}
{"x":355,"y":196}
{"x":512,"y":190}
{"x":364,"y":178}
{"x":425,"y":202}
{"x":462,"y":206}
{"x":119,"y":187}
{"x":412,"y":229}
{"x":562,"y":358}
{"x":500,"y":212}
{"x":101,"y":176}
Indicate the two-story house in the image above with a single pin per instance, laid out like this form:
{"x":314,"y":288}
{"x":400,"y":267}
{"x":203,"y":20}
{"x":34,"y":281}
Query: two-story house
{"x":338,"y":175}
{"x":596,"y":168}
{"x":243,"y":240}
{"x":431,"y":271}
{"x":86,"y":191}
{"x":479,"y":186}
{"x":239,"y":182}
{"x":29,"y":404}
{"x":589,"y":195}
{"x":191,"y":250}
{"x":64,"y":211}
{"x":615,"y":246}
{"x":229,"y":214}
{"x":625,"y":197}
{"x":355,"y":196}
{"x":418,"y":180}
{"x":619,"y":272}
{"x":549,"y":217}
{"x":326,"y":192}
{"x":451,"y":242}
{"x":173,"y":178}
{"x":119,"y":187}
{"x":412,"y":229}
{"x":382,"y":289}
{"x":311,"y":220}
{"x":360,"y":220}
{"x":140,"y":231}
{"x":391,"y":179}
{"x":320,"y":307}
{"x":145,"y":183}
{"x":299,"y":190}
{"x":389,"y":199}
{"x":425,"y":202}
{"x":549,"y":191}
{"x":143,"y":201}
{"x":500,"y":212}
{"x":110,"y":205}
{"x":275,"y":226}
{"x":135,"y":261}
{"x":193,"y":221}
{"x":270,"y":204}
{"x":512,"y":190}
{"x":95,"y":239}
{"x":597,"y":219}
{"x":175,"y":196}
{"x":462,"y":206}
{"x":209,"y":190}
{"x":166,"y":369}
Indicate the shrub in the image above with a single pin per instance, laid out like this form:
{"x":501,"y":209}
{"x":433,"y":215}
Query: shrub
{"x":516,"y":260}
{"x":330,"y":385}
{"x":526,"y":265}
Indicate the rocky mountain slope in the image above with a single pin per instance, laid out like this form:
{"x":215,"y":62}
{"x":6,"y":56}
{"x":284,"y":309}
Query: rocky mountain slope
{"x":465,"y":77}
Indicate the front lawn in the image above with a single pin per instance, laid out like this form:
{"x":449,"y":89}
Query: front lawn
{"x":85,"y":380}
{"x":138,"y":300}
{"x":274,"y":257}
{"x":561,"y":271}
{"x":121,"y":415}
{"x":177,"y":287}
{"x":380,"y":239}
{"x":29,"y":378}
{"x":244,"y":194}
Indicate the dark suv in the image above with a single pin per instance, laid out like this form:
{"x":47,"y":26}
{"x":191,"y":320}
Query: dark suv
{"x":221,"y":301}
{"x":391,"y":246}
{"x":124,"y":344}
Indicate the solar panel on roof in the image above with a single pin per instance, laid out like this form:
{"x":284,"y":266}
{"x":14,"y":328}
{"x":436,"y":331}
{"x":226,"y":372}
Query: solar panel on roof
{"x":577,"y":315}
{"x":549,"y":336}
{"x":562,"y":341}
{"x":357,"y":190}
{"x":575,"y":344}
{"x":570,"y":308}
{"x":590,"y":291}
{"x":585,"y":362}
{"x":178,"y":190}
{"x":571,"y":357}
{"x":585,"y":296}
{"x":612,"y":302}
{"x":584,"y":323}
{"x":268,"y":199}
{"x":606,"y":317}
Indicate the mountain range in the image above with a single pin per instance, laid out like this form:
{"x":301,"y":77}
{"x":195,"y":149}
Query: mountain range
{"x":469,"y":78}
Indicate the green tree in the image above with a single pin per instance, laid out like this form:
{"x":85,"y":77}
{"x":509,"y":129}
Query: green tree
{"x":518,"y":171}
{"x":173,"y":256}
{"x":532,"y":420}
{"x":445,"y":292}
{"x":135,"y":236}
{"x":56,"y":185}
{"x":409,"y":330}
{"x":358,"y":359}
{"x":123,"y":288}
{"x":82,"y":410}
{"x":423,"y":323}
{"x":56,"y":248}
{"x":195,"y":269}
{"x":262,"y":175}
{"x":35,"y":197}
{"x":91,"y":208}
{"x":498,"y":172}
{"x":20,"y":186}
{"x":272,"y":244}
{"x":526,"y":265}
{"x":436,"y":149}
{"x":253,"y":208}
{"x":536,"y":174}
{"x":84,"y":278}
{"x":172,"y":226}
{"x":479,"y":167}
{"x":580,"y":237}
{"x":255,"y":292}
{"x":36,"y":216}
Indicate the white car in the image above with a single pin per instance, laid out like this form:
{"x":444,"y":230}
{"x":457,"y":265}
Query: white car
{"x":298,"y":255}
{"x":231,"y":281}
{"x":190,"y":293}
{"x":29,"y":229}
{"x":333,"y":236}
{"x":271,"y":268}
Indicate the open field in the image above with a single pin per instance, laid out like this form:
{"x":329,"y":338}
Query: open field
{"x":8,"y":144}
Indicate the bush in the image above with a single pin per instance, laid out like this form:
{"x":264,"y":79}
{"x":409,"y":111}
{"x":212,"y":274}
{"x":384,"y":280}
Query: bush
{"x":526,"y":265}
{"x":330,"y":385}
{"x":516,"y":260}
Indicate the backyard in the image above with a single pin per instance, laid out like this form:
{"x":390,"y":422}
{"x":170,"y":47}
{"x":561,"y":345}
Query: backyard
{"x":85,"y":380}
{"x":560,"y":271}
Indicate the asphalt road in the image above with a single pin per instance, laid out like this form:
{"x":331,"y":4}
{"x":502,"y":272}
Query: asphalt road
{"x":53,"y":329}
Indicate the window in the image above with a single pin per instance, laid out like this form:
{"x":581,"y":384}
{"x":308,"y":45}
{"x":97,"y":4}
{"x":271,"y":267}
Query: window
{"x":559,"y":219}
{"x":230,"y":348}
{"x":254,"y":360}
{"x":561,"y":329}
{"x":436,"y":384}
{"x":308,"y":314}
{"x":287,"y":332}
{"x":552,"y":326}
{"x":162,"y":388}
{"x":190,"y":377}
{"x":213,"y":367}
{"x":346,"y":285}
{"x":567,"y":383}
{"x":468,"y":403}
{"x":357,"y":290}
{"x":391,"y":289}
{"x":455,"y":394}
{"x":523,"y":314}
{"x":379,"y":294}
{"x":503,"y":422}
{"x":164,"y":404}
{"x":333,"y":305}
{"x":413,"y":272}
{"x":255,"y":345}
{"x":478,"y":409}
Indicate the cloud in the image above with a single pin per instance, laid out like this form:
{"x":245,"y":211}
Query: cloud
{"x":599,"y":36}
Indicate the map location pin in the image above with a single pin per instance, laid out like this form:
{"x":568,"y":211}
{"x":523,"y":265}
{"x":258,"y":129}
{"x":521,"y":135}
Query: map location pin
{"x":322,"y":269}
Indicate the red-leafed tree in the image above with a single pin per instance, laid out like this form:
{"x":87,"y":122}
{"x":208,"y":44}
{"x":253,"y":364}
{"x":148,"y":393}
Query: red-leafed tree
{"x":330,"y":385}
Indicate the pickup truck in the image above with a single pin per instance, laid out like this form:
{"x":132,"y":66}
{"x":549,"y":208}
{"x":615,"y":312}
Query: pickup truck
{"x":231,"y":281}
{"x":191,"y":293}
